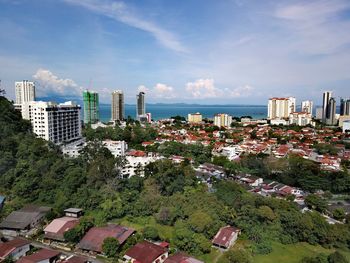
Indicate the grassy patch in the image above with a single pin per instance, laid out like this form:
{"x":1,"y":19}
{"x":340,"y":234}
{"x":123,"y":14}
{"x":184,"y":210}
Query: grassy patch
{"x":293,"y":253}
{"x":211,"y":257}
{"x":138,"y":223}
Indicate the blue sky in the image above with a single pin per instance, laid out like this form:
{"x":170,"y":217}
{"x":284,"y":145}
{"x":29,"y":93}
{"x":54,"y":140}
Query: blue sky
{"x":203,"y":51}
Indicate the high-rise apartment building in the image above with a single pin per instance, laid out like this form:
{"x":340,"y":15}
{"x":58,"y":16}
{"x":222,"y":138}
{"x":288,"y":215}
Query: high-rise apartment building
{"x":54,"y":122}
{"x":117,"y":106}
{"x":194,"y":117}
{"x":140,"y":105}
{"x":306,"y":106}
{"x":344,"y":107}
{"x":222,"y":120}
{"x":331,"y":111}
{"x":326,"y":97}
{"x":25,"y":92}
{"x":91,"y":107}
{"x":281,"y":108}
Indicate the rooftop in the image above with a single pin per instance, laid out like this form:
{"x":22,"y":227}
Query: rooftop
{"x":7,"y":247}
{"x":42,"y":254}
{"x":145,"y":252}
{"x":94,"y":238}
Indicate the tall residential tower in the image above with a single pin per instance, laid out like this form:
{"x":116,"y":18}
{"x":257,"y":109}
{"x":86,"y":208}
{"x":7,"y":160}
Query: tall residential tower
{"x":140,"y":105}
{"x":91,"y":106}
{"x":281,"y":108}
{"x":117,"y":106}
{"x":25,"y":92}
{"x":326,"y":97}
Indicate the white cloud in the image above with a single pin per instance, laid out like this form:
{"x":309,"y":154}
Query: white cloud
{"x":119,"y":11}
{"x":242,"y":91}
{"x":159,"y":91}
{"x":49,"y":84}
{"x":163,"y":91}
{"x":203,"y":88}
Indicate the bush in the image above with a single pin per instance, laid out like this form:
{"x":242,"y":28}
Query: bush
{"x":150,"y":232}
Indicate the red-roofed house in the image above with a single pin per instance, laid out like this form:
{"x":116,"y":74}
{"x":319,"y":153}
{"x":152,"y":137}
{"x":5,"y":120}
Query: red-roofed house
{"x":146,"y":252}
{"x":226,"y":237}
{"x":93,"y":239}
{"x":42,"y":256}
{"x":56,"y":229}
{"x":181,"y":258}
{"x":15,"y":248}
{"x":75,"y":259}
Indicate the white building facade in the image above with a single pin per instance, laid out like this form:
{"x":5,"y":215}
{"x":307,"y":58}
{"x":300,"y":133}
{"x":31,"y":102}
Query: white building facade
{"x":300,"y":118}
{"x":307,"y":106}
{"x":117,"y":148}
{"x":59,"y":123}
{"x":222,"y":120}
{"x":25,"y":92}
{"x":280,"y":108}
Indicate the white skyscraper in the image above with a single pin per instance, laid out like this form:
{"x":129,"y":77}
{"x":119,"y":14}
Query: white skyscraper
{"x":117,"y":106}
{"x":53,"y":122}
{"x":306,"y":106}
{"x":280,"y":108}
{"x":25,"y":92}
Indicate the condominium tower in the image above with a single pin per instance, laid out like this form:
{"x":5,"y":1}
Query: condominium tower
{"x":344,"y":107}
{"x":331,"y":111}
{"x":117,"y":106}
{"x":326,"y":97}
{"x":280,"y":108}
{"x":140,"y":105}
{"x":25,"y":91}
{"x":54,"y":122}
{"x":91,"y":106}
{"x":194,"y":117}
{"x":222,"y":120}
{"x":306,"y":106}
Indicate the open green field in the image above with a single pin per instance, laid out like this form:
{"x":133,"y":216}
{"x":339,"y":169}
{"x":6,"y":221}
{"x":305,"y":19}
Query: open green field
{"x":293,"y":253}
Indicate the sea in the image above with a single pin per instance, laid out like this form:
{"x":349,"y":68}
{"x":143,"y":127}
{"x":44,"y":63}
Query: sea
{"x":165,"y":111}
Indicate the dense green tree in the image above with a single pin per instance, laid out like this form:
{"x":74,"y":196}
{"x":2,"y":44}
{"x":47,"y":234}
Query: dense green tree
{"x":337,"y":257}
{"x":110,"y":247}
{"x":151,"y":233}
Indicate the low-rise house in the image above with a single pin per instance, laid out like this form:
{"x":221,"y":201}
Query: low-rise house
{"x":251,"y":180}
{"x":23,"y":220}
{"x":181,"y":258}
{"x":56,"y":229}
{"x":15,"y":249}
{"x":93,"y":239}
{"x":75,"y":259}
{"x":226,"y":237}
{"x":117,"y":148}
{"x":210,"y":170}
{"x":231,"y":152}
{"x":146,"y":252}
{"x":42,"y":256}
{"x":136,"y":162}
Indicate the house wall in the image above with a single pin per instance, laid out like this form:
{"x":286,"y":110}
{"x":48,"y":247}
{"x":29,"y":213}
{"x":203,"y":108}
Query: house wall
{"x":20,"y":252}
